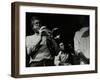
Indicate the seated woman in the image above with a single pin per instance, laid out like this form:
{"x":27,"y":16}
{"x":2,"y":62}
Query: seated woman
{"x":62,"y":57}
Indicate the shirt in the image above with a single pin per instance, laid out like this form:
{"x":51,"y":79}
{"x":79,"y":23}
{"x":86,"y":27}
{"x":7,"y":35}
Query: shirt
{"x":42,"y":53}
{"x":82,"y":42}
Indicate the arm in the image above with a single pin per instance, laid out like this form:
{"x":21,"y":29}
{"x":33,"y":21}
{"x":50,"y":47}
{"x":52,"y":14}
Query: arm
{"x":53,"y":47}
{"x":37,"y":46}
{"x":77,"y":42}
{"x":83,"y":58}
{"x":57,"y":59}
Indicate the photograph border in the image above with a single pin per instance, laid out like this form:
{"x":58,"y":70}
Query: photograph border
{"x":15,"y":32}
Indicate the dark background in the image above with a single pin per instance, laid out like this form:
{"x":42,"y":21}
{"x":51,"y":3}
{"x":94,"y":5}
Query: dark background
{"x":67,"y":23}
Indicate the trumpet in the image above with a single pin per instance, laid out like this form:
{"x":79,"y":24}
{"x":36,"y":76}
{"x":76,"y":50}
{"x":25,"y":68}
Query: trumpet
{"x":45,"y":32}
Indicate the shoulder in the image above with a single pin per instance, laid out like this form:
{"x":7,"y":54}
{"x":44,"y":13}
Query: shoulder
{"x":30,"y":37}
{"x":82,"y":30}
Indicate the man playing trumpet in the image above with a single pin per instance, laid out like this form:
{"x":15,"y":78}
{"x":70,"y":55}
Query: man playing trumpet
{"x":38,"y":47}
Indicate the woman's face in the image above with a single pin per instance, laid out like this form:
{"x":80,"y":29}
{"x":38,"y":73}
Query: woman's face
{"x":61,"y":46}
